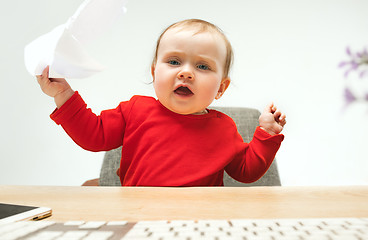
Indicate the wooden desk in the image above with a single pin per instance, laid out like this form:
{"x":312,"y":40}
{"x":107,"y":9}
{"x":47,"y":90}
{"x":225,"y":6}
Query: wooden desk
{"x":133,"y":204}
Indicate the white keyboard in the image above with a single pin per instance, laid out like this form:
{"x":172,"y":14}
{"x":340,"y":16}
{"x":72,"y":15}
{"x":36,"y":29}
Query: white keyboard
{"x":273,"y":229}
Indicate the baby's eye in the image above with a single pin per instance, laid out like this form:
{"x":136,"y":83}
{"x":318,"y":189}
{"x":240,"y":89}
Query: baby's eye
{"x":173,"y":62}
{"x":203,"y":67}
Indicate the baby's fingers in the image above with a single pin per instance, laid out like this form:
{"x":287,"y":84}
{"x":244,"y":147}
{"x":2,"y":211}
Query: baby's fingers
{"x":277,"y":115}
{"x":282,"y":120}
{"x":269,"y":108}
{"x":45,"y":72}
{"x":42,"y":79}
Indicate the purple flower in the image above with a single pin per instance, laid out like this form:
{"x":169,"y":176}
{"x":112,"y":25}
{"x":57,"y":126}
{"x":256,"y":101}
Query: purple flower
{"x":348,"y":51}
{"x":363,"y":73}
{"x":356,"y":62}
{"x":349,"y":96}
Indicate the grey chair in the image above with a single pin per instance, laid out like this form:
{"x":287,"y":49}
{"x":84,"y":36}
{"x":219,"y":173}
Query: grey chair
{"x":246,"y":120}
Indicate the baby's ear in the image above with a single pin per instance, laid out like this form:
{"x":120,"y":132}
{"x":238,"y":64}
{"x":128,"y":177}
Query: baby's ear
{"x":153,"y":66}
{"x":223,"y":86}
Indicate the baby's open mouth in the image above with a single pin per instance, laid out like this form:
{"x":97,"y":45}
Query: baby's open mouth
{"x":183,"y":91}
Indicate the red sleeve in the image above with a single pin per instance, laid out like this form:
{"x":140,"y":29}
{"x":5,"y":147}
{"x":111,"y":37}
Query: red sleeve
{"x":92,"y":132}
{"x":257,"y":156}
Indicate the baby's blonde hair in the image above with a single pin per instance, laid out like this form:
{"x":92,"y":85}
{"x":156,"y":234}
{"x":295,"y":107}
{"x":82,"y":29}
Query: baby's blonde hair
{"x":200,"y":26}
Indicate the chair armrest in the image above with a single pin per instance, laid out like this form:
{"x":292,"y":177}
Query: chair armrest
{"x":92,"y":182}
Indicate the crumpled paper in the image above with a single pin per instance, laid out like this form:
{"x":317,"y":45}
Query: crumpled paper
{"x":64,"y":48}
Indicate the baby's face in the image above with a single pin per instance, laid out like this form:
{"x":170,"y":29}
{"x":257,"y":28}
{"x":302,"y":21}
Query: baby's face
{"x":188,"y":74}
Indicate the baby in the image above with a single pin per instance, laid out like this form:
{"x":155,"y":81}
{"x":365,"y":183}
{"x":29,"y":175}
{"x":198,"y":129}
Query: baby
{"x":174,"y":140}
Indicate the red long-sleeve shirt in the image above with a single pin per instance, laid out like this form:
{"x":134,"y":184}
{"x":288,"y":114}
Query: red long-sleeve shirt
{"x":163,"y":148}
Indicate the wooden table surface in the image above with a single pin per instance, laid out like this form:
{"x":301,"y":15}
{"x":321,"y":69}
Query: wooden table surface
{"x":158,"y":203}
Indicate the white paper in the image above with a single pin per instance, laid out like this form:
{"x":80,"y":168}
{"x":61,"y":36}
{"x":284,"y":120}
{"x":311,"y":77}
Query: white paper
{"x":64,"y":48}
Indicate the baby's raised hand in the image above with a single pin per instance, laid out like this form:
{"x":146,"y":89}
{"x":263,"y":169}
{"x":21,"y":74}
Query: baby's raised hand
{"x":58,"y":88}
{"x":272,"y":120}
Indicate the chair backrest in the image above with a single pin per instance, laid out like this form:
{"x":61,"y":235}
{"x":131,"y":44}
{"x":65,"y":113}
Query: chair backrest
{"x":246,"y":120}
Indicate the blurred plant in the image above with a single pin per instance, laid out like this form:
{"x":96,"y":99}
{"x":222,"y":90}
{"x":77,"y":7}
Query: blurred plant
{"x":358,"y":62}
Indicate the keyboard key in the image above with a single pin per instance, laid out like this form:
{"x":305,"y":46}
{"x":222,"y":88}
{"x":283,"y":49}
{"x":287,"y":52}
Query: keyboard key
{"x":46,"y":235}
{"x":117,"y":223}
{"x":99,"y":235}
{"x":74,"y":223}
{"x":92,"y":225}
{"x":75,"y":234}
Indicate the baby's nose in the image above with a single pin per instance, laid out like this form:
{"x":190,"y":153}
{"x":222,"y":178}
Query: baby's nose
{"x":186,"y":74}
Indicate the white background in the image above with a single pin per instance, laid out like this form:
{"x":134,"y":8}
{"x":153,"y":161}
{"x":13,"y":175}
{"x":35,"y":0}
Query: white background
{"x":285,"y":51}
